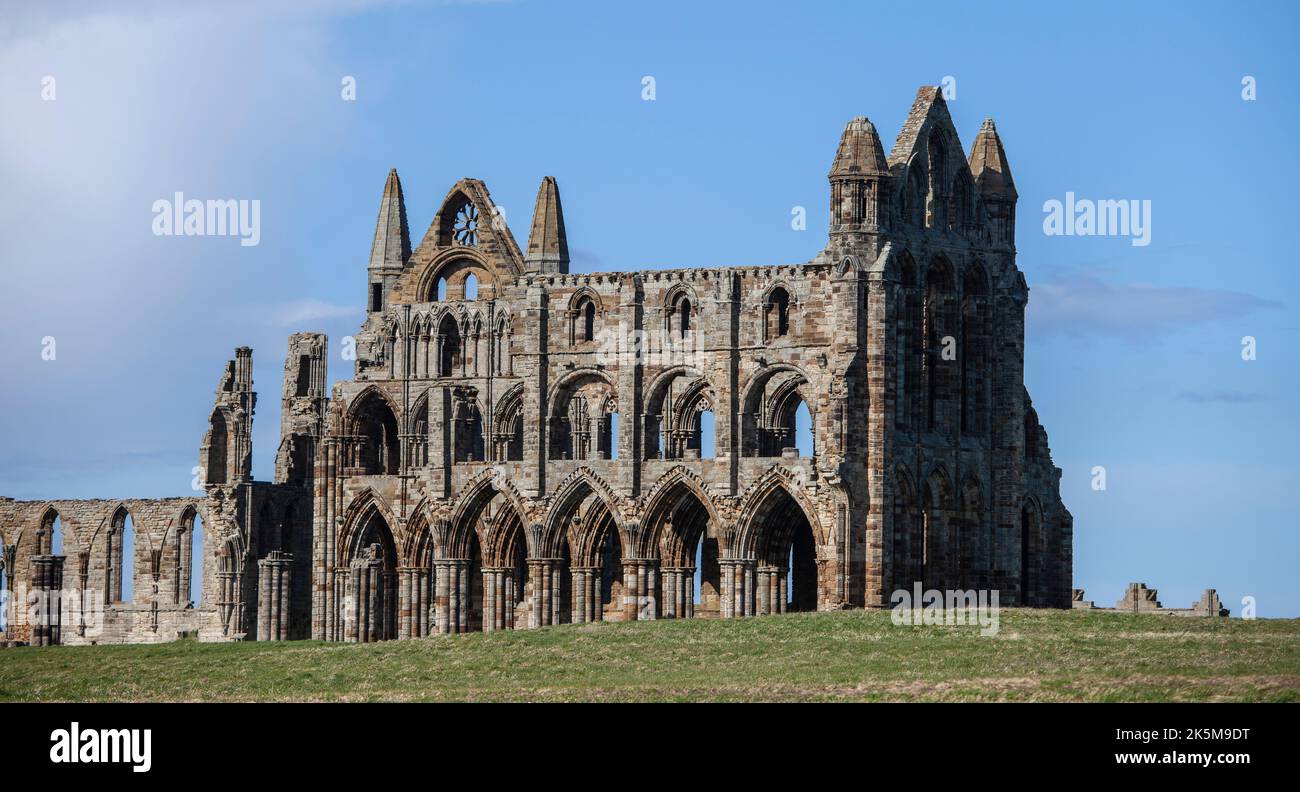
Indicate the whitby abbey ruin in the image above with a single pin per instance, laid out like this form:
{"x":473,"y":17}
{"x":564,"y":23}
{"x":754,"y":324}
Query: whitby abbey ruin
{"x":520,"y":446}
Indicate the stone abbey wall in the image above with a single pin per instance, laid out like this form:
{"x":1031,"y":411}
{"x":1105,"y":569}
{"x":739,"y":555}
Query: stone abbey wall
{"x":521,"y":446}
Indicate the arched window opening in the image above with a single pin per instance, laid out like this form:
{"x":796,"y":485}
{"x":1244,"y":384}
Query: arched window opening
{"x":578,"y":426}
{"x":958,"y":209}
{"x":468,"y":431}
{"x":575,"y":430}
{"x":768,"y":416}
{"x":471,"y":287}
{"x":936,"y":197}
{"x":508,"y":434}
{"x":124,"y":585}
{"x":778,"y":313}
{"x":218,"y":436}
{"x":909,"y":347}
{"x":449,"y":347}
{"x":440,"y":294}
{"x":583,"y":320}
{"x":56,"y":536}
{"x":418,"y":443}
{"x":803,"y":431}
{"x":942,"y":370}
{"x":303,"y":381}
{"x":192,"y":561}
{"x":376,"y":428}
{"x":914,"y":197}
{"x":679,"y":317}
{"x":1029,"y":550}
{"x":607,"y":433}
{"x":707,"y":433}
{"x":975,"y":352}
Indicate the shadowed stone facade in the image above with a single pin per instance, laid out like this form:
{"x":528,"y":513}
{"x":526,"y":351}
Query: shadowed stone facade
{"x":521,"y":446}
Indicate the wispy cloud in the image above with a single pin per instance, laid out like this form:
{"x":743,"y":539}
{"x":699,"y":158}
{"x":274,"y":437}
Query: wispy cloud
{"x":297,"y":313}
{"x":1083,"y":304}
{"x":1220,"y":397}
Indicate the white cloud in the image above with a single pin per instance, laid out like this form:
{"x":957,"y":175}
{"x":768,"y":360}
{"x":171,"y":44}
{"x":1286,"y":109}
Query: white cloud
{"x":1079,"y":304}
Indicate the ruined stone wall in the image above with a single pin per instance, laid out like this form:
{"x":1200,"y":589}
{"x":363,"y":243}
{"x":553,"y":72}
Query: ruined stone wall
{"x":519,"y":445}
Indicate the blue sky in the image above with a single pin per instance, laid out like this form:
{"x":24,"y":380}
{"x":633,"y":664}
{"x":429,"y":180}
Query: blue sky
{"x":1133,"y":354}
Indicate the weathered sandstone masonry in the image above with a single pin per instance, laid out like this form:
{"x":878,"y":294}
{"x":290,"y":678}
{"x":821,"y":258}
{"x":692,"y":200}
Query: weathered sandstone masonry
{"x":520,"y":446}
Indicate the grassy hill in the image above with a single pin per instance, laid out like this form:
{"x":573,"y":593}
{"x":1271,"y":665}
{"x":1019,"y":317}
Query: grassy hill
{"x":853,"y":655}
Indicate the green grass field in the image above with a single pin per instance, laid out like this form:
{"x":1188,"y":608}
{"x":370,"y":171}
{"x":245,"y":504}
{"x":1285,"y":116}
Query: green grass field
{"x":853,"y":655}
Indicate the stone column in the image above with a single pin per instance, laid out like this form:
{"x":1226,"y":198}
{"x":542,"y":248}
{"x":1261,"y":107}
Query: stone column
{"x":274,"y":583}
{"x":451,"y":595}
{"x":413,"y":593}
{"x":772,"y":589}
{"x":545,"y":605}
{"x":498,"y":598}
{"x":738,"y":585}
{"x":678,"y":592}
{"x":586,"y":594}
{"x":44,"y":599}
{"x":640,"y":586}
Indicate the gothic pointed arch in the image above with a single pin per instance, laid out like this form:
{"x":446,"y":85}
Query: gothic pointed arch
{"x":373,"y":422}
{"x":579,"y":493}
{"x":778,"y":305}
{"x":675,"y":401}
{"x":941,"y":328}
{"x":769,"y":403}
{"x":508,"y":426}
{"x":578,"y":423}
{"x":469,"y":224}
{"x":909,"y":350}
{"x":584,"y":315}
{"x":778,"y":528}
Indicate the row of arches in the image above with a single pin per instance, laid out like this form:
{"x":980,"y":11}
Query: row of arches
{"x":484,"y":569}
{"x":584,"y":422}
{"x":446,"y":344}
{"x":944,"y":349}
{"x":938,"y":191}
{"x":944,"y":539}
{"x":110,"y":557}
{"x":680,"y":313}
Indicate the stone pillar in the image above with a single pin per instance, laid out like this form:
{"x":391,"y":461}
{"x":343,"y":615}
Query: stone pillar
{"x":586,"y":595}
{"x":364,"y":620}
{"x":678,"y":592}
{"x":451,"y":595}
{"x":738,"y":586}
{"x":413,"y":602}
{"x":545,"y":605}
{"x":44,"y":599}
{"x":274,"y":583}
{"x":498,"y":598}
{"x":772,"y":589}
{"x":640,"y":587}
